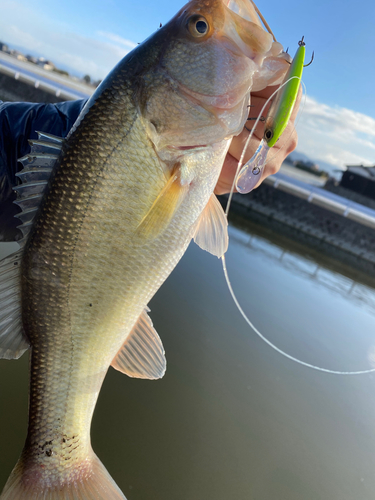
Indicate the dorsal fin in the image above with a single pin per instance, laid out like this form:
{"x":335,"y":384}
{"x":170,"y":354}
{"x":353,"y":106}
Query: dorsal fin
{"x":34,"y":177}
{"x":50,"y":138}
{"x":37,"y":168}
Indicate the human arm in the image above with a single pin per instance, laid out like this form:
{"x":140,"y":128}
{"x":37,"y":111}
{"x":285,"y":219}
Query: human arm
{"x":20,"y":122}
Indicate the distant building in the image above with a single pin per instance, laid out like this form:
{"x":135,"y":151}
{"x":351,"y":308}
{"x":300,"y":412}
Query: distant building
{"x":4,"y":47}
{"x":32,"y":59}
{"x":17,"y":54}
{"x":359,"y":179}
{"x":48,"y":65}
{"x":310,"y":167}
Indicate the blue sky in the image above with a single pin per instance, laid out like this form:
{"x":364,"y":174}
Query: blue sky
{"x":337,"y":124}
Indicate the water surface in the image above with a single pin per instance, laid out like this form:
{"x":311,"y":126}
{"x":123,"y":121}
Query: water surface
{"x":232,"y":419}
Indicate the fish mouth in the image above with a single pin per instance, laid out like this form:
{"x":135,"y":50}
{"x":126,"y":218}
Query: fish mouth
{"x":186,"y":148}
{"x":246,"y":28}
{"x":194,"y":147}
{"x":247,"y":9}
{"x":244,"y":8}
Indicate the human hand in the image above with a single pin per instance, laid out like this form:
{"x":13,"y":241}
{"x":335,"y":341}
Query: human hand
{"x":285,"y":145}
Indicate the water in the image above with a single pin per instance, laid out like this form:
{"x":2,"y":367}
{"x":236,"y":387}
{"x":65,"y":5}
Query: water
{"x":232,"y":419}
{"x":302,"y":175}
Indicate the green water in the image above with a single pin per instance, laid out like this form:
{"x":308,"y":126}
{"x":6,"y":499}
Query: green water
{"x":232,"y":419}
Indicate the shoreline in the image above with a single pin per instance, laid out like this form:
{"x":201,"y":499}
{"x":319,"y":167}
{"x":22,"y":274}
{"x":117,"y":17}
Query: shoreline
{"x":317,"y":228}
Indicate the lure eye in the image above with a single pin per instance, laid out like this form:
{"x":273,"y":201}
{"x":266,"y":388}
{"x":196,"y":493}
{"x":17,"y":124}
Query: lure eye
{"x":268,"y":134}
{"x":197,"y":26}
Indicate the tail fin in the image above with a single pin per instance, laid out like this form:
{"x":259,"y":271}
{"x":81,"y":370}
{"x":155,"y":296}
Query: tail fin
{"x":98,"y":485}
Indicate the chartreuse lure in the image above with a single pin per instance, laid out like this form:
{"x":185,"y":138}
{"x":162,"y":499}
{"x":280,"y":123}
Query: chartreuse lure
{"x":275,"y":123}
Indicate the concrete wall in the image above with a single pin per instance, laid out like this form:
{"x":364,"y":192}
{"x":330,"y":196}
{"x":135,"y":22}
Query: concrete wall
{"x":14,"y":90}
{"x":309,"y":224}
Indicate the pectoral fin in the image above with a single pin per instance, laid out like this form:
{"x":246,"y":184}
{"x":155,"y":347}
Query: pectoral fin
{"x":142,"y":354}
{"x":211,"y":233}
{"x":164,"y":207}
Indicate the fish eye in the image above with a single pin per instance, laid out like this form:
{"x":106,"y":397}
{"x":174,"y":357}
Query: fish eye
{"x":197,"y":26}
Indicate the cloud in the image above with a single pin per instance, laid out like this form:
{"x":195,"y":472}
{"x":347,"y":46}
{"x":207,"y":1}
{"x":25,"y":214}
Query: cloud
{"x":12,"y":32}
{"x":117,"y":39}
{"x":77,"y":53}
{"x":336,"y":135}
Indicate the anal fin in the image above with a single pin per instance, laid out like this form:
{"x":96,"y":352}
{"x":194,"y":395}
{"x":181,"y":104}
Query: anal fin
{"x":142,"y":354}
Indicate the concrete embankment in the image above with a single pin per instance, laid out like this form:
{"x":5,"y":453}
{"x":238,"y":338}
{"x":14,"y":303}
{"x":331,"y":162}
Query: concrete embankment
{"x":24,"y":81}
{"x":13,"y":90}
{"x":319,"y":228}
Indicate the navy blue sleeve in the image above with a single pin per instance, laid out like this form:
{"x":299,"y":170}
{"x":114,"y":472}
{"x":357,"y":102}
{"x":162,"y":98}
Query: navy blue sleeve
{"x":19,"y":122}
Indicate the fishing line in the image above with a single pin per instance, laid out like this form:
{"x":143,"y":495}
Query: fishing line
{"x":277,"y":349}
{"x":240,"y":161}
{"x":234,"y":297}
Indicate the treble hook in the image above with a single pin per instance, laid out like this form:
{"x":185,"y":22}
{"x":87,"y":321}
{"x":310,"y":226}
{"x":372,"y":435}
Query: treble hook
{"x":312,"y":58}
{"x":302,"y":43}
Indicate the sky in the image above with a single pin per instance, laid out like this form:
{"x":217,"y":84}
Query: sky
{"x":337,"y":121}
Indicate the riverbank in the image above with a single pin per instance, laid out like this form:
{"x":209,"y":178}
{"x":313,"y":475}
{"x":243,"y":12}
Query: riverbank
{"x":25,"y":81}
{"x":12,"y":90}
{"x":323,"y":230}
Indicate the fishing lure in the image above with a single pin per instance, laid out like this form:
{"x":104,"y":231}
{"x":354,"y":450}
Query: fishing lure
{"x":275,"y":123}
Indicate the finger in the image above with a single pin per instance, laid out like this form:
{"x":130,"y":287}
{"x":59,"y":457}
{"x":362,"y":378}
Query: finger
{"x":284,"y":146}
{"x":228,"y":172}
{"x":239,"y":142}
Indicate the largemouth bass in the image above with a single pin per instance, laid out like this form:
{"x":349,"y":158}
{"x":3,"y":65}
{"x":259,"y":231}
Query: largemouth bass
{"x":107,"y":213}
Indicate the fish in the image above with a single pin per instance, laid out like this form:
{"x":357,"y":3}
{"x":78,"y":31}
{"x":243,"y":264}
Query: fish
{"x":107,"y":213}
